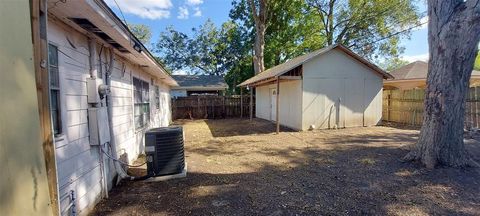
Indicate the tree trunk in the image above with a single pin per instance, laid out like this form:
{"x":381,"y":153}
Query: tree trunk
{"x":259,"y":65}
{"x":453,"y":35}
{"x":330,"y":27}
{"x":260,"y":17}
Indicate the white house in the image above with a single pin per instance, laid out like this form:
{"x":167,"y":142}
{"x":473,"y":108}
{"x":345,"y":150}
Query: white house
{"x":329,"y":88}
{"x":88,"y":41}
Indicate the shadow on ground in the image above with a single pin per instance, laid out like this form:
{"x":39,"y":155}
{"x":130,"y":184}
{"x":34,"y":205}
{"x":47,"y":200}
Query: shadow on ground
{"x":338,"y":172}
{"x":223,"y":127}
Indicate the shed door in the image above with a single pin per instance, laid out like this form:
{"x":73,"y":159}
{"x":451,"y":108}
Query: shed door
{"x":273,"y":104}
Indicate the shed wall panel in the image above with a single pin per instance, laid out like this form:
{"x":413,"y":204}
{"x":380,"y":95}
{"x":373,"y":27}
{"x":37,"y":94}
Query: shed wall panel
{"x":339,"y":91}
{"x":290,"y":106}
{"x":262,"y":102}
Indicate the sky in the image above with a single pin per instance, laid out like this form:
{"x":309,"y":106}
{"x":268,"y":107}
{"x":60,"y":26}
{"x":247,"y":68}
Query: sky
{"x":184,"y":15}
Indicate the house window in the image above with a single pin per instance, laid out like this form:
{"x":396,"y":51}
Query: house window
{"x":142,"y":103}
{"x":54,"y":89}
{"x":157,"y":97}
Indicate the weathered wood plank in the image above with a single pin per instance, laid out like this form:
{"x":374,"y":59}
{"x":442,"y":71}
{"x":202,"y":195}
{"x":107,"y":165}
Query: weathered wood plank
{"x":210,"y":107}
{"x":39,"y":39}
{"x":406,"y":107}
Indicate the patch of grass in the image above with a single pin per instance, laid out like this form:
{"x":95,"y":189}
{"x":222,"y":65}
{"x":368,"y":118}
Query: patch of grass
{"x":327,"y":161}
{"x":367,"y":161}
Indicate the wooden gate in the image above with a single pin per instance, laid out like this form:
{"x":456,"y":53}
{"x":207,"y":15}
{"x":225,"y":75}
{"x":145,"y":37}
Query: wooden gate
{"x":211,"y":107}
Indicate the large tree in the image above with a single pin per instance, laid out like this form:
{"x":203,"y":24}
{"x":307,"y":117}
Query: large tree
{"x":209,"y":50}
{"x":453,"y":35}
{"x":370,"y":27}
{"x":292,"y":29}
{"x":260,"y":13}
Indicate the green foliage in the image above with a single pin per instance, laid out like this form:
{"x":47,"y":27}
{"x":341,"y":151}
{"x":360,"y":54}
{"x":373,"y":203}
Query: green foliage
{"x":142,"y":32}
{"x":292,"y":29}
{"x":392,"y":64}
{"x":210,"y":50}
{"x":239,"y":73}
{"x":372,"y":28}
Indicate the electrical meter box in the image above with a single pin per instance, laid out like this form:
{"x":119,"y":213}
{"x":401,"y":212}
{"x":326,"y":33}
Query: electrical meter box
{"x":98,"y":126}
{"x":92,"y":90}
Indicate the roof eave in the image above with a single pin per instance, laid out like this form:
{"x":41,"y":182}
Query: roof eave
{"x":161,"y":69}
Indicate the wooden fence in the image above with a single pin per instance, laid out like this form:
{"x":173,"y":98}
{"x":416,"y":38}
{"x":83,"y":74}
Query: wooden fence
{"x":212,"y":107}
{"x":406,"y":106}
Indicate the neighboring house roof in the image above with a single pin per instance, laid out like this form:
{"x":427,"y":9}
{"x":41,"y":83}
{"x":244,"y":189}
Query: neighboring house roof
{"x":414,"y":71}
{"x":293,"y":63}
{"x":200,"y":82}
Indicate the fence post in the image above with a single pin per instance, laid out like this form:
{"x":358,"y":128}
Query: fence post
{"x":414,"y":115}
{"x":224,"y":108}
{"x":476,"y":125}
{"x":198,"y":104}
{"x":388,"y":105}
{"x":251,"y":103}
{"x":470,"y":117}
{"x":241,"y":102}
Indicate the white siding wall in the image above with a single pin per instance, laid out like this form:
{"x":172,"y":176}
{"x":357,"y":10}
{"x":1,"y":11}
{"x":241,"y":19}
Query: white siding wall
{"x":78,"y":163}
{"x":290,"y":103}
{"x":339,"y":91}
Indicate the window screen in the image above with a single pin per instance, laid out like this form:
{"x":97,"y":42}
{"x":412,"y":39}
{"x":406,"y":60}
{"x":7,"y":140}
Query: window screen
{"x":54,"y":89}
{"x":157,"y":97}
{"x":142,"y":103}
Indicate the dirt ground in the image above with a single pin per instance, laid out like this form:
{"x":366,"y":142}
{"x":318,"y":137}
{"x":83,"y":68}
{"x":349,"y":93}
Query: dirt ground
{"x":238,"y":167}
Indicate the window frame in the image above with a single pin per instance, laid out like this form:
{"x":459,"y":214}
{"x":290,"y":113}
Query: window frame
{"x":141,"y":103}
{"x":54,"y":91}
{"x":157,"y":97}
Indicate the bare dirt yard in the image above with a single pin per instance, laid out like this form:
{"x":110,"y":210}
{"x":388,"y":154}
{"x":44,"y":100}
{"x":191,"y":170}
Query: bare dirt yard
{"x":238,"y":167}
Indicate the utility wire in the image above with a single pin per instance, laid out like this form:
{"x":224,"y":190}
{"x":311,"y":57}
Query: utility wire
{"x":121,"y":162}
{"x":121,"y":12}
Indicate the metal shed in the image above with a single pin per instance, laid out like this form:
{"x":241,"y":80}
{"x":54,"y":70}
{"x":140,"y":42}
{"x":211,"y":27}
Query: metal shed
{"x":329,"y":88}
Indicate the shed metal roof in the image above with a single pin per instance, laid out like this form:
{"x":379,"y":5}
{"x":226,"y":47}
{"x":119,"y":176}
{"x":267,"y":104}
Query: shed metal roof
{"x":287,"y":66}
